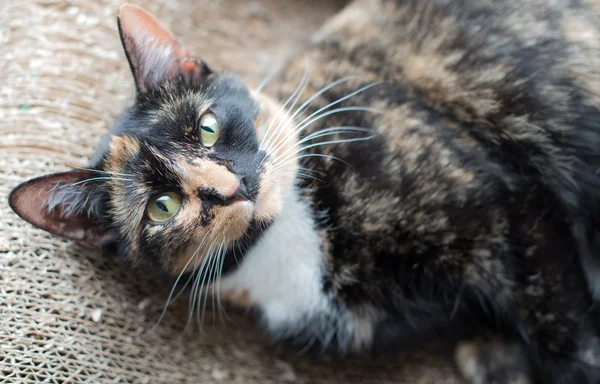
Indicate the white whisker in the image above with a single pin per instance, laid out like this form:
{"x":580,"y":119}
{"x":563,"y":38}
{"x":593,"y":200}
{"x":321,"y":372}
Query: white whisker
{"x":172,"y":292}
{"x":182,"y":290}
{"x":300,"y":175}
{"x":279,"y":129}
{"x":305,"y":124}
{"x":101,"y":171}
{"x":171,"y":298}
{"x":283,"y":106}
{"x":319,"y":144}
{"x":192,"y":299}
{"x":334,"y":142}
{"x":312,"y":170}
{"x":325,"y":132}
{"x":100,"y":178}
{"x":196,"y":295}
{"x":322,"y":155}
{"x":311,"y":155}
{"x":302,"y":127}
{"x":333,"y":131}
{"x":360,"y":90}
{"x":324,"y":89}
{"x":241,"y":253}
{"x":213,"y":276}
{"x":222,"y":313}
{"x":200,"y":315}
{"x":266,"y":80}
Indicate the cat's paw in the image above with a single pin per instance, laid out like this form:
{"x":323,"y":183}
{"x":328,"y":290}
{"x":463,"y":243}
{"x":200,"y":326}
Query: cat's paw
{"x":493,"y":361}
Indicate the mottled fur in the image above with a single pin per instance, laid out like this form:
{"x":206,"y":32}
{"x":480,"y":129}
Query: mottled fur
{"x":461,"y":200}
{"x":484,"y":180}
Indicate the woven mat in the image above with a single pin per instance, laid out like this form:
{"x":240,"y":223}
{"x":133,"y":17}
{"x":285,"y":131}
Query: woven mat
{"x":69,"y":314}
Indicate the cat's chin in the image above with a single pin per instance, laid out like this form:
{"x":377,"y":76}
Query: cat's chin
{"x":230,"y":224}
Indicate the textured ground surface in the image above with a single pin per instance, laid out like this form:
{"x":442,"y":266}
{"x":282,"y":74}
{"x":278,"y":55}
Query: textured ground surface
{"x":68,"y":314}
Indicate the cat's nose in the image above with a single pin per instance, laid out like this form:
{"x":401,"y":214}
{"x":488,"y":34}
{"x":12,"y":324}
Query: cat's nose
{"x":240,"y":194}
{"x":234,"y":192}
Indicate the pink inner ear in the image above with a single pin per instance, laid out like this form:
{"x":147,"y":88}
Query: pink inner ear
{"x":133,"y":17}
{"x":152,"y":48}
{"x":29,"y":201}
{"x":191,"y":68}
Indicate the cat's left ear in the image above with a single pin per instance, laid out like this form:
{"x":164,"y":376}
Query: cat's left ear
{"x":153,"y":53}
{"x":63,"y":204}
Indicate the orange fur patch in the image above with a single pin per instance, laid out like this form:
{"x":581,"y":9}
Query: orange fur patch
{"x":238,"y":298}
{"x":121,"y":149}
{"x":204,"y":173}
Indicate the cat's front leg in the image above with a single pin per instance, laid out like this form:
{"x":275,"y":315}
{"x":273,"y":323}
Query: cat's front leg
{"x":493,"y":360}
{"x":573,"y":358}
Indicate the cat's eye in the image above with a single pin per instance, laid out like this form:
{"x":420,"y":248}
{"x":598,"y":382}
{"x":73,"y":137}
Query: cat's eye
{"x":209,"y":129}
{"x":163,"y":207}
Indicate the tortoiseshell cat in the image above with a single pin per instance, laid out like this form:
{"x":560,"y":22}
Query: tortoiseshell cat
{"x":454,"y":190}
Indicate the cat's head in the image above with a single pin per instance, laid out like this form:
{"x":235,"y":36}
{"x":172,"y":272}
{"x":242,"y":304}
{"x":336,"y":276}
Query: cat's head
{"x":199,"y":164}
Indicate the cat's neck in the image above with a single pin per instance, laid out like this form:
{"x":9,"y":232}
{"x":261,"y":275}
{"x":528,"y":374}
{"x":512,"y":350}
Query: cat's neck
{"x":282,"y":276}
{"x":282,"y":273}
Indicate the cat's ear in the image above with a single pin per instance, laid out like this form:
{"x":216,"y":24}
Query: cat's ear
{"x":62,"y":204}
{"x":153,"y":53}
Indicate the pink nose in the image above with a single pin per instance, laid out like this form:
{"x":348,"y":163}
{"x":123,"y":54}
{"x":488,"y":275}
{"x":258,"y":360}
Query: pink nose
{"x":240,"y":194}
{"x":225,"y":186}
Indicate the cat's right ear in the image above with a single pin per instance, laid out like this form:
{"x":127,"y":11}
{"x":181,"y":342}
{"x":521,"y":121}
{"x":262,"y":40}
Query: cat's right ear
{"x":153,"y":53}
{"x":63,"y":204}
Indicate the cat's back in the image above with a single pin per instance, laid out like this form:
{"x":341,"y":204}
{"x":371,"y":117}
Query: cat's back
{"x":514,"y":82}
{"x":464,"y":54}
{"x":519,"y":79}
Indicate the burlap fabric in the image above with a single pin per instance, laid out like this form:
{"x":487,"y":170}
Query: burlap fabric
{"x":69,"y":314}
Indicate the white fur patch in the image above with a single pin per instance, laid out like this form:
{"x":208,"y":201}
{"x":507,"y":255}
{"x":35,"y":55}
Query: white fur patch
{"x":282,"y":273}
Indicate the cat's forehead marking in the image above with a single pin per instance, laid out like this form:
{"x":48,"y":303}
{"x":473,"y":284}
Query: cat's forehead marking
{"x":121,"y":150}
{"x":194,"y":174}
{"x":173,"y":102}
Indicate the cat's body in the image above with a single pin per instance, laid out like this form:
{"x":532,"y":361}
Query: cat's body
{"x":469,"y":209}
{"x":463,"y":209}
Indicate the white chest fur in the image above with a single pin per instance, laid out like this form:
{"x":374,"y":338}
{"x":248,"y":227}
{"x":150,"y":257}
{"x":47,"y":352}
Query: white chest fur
{"x":282,"y":273}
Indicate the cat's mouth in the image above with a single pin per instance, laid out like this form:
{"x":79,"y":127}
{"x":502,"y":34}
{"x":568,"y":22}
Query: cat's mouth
{"x":229,"y":226}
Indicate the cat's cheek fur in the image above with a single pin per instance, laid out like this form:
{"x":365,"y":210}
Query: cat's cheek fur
{"x":269,"y":202}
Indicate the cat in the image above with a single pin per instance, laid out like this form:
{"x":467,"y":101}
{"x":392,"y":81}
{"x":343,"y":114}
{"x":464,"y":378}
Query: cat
{"x":420,"y":170}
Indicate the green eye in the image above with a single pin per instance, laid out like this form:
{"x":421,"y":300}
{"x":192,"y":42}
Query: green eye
{"x":164,"y":206}
{"x":209,"y":129}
